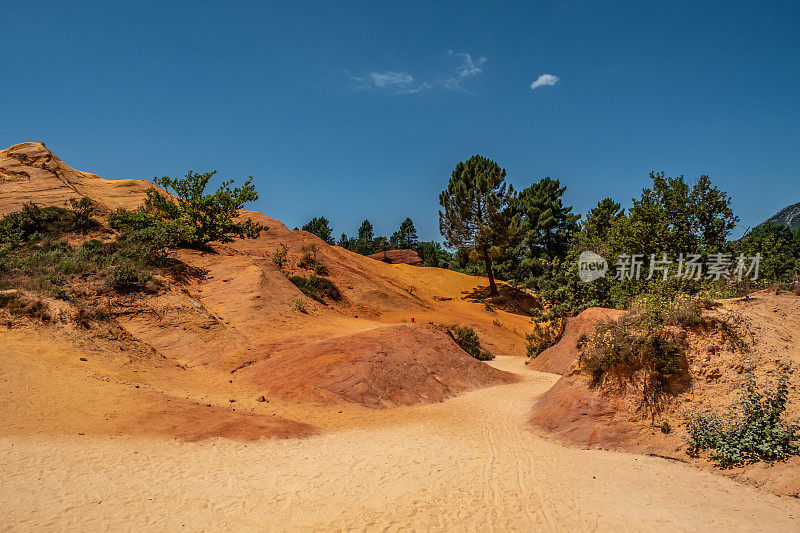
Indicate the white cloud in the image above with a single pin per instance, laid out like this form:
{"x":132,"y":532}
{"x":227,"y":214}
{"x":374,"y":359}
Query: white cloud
{"x":469,"y":67}
{"x":545,"y":80}
{"x":404,"y":83}
{"x":391,"y":79}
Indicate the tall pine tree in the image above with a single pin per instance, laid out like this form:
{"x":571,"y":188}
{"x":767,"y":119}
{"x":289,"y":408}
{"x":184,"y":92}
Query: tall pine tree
{"x":476,"y":215}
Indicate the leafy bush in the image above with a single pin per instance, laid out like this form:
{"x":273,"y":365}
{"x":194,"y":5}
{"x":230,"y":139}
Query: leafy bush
{"x":300,"y":305}
{"x":42,"y":266}
{"x":279,"y":257}
{"x":753,"y":429}
{"x":637,"y":346}
{"x":210,"y":216}
{"x":32,"y":223}
{"x":309,"y":261}
{"x":306,"y":261}
{"x":82,"y":211}
{"x":126,"y":278}
{"x":466,"y":337}
{"x":317,"y":288}
{"x":543,"y":336}
{"x":153,"y":237}
{"x":665,"y":309}
{"x":127,"y":221}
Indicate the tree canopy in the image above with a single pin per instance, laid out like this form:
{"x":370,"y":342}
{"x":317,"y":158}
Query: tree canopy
{"x":320,"y":227}
{"x":406,"y":236}
{"x":209,"y":217}
{"x":476,"y":215}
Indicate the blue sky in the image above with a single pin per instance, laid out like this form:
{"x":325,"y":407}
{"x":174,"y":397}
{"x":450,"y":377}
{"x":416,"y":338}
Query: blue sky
{"x":357,"y":110}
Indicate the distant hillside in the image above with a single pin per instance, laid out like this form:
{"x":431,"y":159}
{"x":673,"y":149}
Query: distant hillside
{"x":788,"y":216}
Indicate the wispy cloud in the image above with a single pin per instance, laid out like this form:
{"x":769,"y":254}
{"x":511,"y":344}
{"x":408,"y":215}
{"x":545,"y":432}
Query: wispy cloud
{"x":545,"y":80}
{"x":467,"y":69}
{"x":391,"y":79}
{"x":405,"y":83}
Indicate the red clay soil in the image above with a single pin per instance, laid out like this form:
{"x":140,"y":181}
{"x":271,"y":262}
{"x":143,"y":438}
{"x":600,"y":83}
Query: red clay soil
{"x":382,"y":367}
{"x":558,"y":358}
{"x":610,"y":416}
{"x":394,"y":257}
{"x":234,"y":326}
{"x":571,"y":410}
{"x":194,"y":422}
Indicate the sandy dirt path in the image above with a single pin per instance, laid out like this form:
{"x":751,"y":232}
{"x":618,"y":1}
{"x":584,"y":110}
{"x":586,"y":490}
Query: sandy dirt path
{"x":466,"y":464}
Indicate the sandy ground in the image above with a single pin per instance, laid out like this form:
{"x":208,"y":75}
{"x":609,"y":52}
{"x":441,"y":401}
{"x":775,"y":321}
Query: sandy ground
{"x":468,"y":463}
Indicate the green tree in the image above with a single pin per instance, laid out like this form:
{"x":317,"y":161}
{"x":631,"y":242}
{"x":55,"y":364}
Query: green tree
{"x":674,"y":217}
{"x":476,"y":214}
{"x":82,"y":209}
{"x":546,"y":226}
{"x":779,"y":247}
{"x":547,"y":223}
{"x":406,"y":236}
{"x":382,"y":244}
{"x":345,"y":242}
{"x":433,"y":255}
{"x":601,"y":219}
{"x":713,"y":214}
{"x":365,"y":243}
{"x":211,"y":217}
{"x":366,"y":231}
{"x":320,"y":227}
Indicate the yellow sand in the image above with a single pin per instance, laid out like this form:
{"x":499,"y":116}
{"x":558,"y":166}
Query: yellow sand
{"x":466,"y":464}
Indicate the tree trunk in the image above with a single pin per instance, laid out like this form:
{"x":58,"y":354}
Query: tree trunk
{"x":489,"y":274}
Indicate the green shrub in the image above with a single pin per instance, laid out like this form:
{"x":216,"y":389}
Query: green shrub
{"x":126,"y":278}
{"x":82,"y":211}
{"x":211,"y":217}
{"x":33,"y":223}
{"x":637,"y":346}
{"x":543,"y":336}
{"x":670,"y":310}
{"x":48,"y":262}
{"x":127,"y":221}
{"x":466,"y":337}
{"x":279,"y":257}
{"x":300,"y":305}
{"x":317,"y":288}
{"x":151,"y":236}
{"x":753,"y":429}
{"x":309,"y":261}
{"x":306,"y":261}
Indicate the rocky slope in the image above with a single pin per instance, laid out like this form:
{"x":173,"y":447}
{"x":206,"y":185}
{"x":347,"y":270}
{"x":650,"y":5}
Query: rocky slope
{"x":29,"y":172}
{"x":788,"y":216}
{"x":232,"y":333}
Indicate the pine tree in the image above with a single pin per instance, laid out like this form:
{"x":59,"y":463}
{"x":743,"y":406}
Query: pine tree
{"x":476,"y":214}
{"x":364,"y":244}
{"x":320,"y":227}
{"x":546,"y":226}
{"x":406,"y":236}
{"x":600,"y":219}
